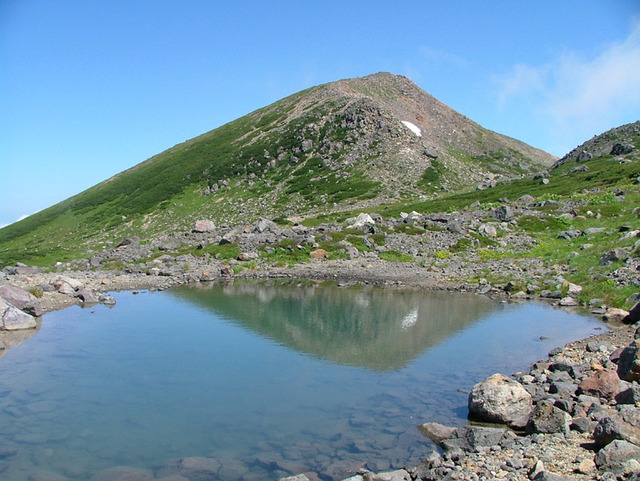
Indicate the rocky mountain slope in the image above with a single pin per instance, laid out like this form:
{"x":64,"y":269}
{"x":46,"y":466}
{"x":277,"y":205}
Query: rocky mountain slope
{"x":352,"y":143}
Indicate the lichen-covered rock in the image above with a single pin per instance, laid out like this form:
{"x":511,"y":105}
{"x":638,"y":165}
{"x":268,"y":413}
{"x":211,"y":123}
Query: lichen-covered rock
{"x":500,"y":399}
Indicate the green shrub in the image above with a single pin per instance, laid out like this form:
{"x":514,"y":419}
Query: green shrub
{"x":395,"y":256}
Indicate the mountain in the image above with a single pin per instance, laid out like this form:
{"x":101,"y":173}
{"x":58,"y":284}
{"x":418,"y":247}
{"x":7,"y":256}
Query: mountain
{"x":347,"y":144}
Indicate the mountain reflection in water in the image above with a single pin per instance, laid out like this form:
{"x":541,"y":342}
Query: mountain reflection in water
{"x":378,"y":329}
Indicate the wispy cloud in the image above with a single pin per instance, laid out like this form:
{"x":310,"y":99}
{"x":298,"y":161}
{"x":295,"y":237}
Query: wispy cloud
{"x":443,"y":57}
{"x":579,"y":96}
{"x":23,"y":216}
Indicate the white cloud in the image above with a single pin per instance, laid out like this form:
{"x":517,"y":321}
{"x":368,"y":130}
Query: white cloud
{"x":443,"y":57}
{"x":23,"y":216}
{"x":579,"y":97}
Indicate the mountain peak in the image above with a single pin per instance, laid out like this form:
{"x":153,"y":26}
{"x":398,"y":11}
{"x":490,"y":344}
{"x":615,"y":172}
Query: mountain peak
{"x":351,"y":143}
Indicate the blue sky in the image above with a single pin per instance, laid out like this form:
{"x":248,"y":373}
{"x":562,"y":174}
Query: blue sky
{"x":91,"y":88}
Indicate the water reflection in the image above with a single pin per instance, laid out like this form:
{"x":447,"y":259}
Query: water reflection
{"x":379,"y":329}
{"x":262,"y":379}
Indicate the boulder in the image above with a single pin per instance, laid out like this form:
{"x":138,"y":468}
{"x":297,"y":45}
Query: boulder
{"x":633,"y":316}
{"x":617,"y":254}
{"x":603,"y":384}
{"x":568,"y":302}
{"x":548,"y":419}
{"x":629,"y":362}
{"x":569,"y":234}
{"x":363,"y":221}
{"x":73,"y":283}
{"x":23,"y":300}
{"x":614,"y":314}
{"x":621,"y":149}
{"x":624,"y":425}
{"x":13,"y":319}
{"x":470,"y":438}
{"x":87,"y":296}
{"x":500,"y":399}
{"x":619,"y":457}
{"x":264,"y":225}
{"x":573,"y":290}
{"x":629,"y":394}
{"x":204,"y":226}
{"x":487,"y":230}
{"x":502,"y":213}
{"x":436,"y":432}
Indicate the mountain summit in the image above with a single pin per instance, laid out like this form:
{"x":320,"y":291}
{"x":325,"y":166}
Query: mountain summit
{"x":355,"y":142}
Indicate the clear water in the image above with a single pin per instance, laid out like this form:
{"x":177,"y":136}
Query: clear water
{"x":268,"y":380}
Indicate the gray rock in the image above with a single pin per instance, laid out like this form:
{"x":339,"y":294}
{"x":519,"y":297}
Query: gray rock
{"x":363,"y":220}
{"x":545,"y":294}
{"x":87,"y":296}
{"x":548,"y":419}
{"x":436,"y":432}
{"x":629,"y":394}
{"x":568,"y":302}
{"x":547,"y":476}
{"x":23,"y":300}
{"x":582,"y":425}
{"x":204,"y":225}
{"x":487,"y":230}
{"x":470,"y":438}
{"x":624,"y":425}
{"x":634,"y":315}
{"x":397,"y":475}
{"x":581,"y":168}
{"x":629,"y":362}
{"x":502,"y":213}
{"x":307,"y":145}
{"x":619,"y":457}
{"x":569,"y":234}
{"x":617,"y":254}
{"x":500,"y":399}
{"x":593,"y":230}
{"x":264,"y":225}
{"x":621,"y":149}
{"x":13,"y":319}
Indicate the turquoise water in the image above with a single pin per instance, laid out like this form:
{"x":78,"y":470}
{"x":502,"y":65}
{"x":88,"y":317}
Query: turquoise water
{"x":268,"y":380}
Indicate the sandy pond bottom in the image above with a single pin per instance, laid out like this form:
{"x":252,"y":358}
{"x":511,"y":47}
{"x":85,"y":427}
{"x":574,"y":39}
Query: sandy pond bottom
{"x":266,"y":379}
